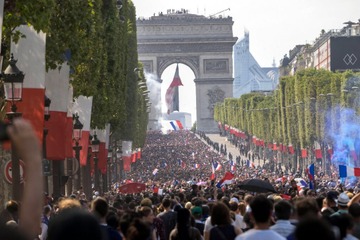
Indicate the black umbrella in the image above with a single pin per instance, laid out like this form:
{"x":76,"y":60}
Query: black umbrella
{"x":257,"y":185}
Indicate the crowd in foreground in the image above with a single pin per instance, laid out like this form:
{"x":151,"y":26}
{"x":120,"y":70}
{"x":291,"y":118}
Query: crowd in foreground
{"x":190,"y":205}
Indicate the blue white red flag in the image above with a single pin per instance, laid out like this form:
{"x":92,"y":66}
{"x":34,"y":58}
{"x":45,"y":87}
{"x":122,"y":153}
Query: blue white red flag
{"x":212,"y":171}
{"x":181,"y":163}
{"x":176,"y":82}
{"x":232,"y":166}
{"x":227,"y":179}
{"x":176,"y":125}
{"x":217,"y":166}
{"x":252,"y":164}
{"x":311,"y":175}
{"x":196,"y":165}
{"x":346,"y":171}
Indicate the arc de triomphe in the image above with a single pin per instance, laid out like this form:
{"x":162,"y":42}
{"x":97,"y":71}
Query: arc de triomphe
{"x":202,"y":43}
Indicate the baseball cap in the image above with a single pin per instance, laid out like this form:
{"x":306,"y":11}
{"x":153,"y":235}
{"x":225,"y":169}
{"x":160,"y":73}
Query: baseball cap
{"x":196,"y":210}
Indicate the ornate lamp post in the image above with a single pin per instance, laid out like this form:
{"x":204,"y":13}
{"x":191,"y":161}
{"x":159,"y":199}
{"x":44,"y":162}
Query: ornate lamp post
{"x":77,"y":132}
{"x":13,"y":80}
{"x":95,"y":143}
{"x":46,"y":163}
{"x":109,"y":162}
{"x":120,"y":164}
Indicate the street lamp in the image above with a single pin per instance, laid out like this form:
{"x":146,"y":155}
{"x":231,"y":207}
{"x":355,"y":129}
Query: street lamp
{"x":13,"y":80}
{"x":46,"y":163}
{"x":13,"y":83}
{"x":77,"y":132}
{"x":120,"y":161}
{"x":95,"y":144}
{"x":109,"y":162}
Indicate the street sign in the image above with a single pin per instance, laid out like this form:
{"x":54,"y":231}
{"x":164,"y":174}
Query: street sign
{"x":8,"y":171}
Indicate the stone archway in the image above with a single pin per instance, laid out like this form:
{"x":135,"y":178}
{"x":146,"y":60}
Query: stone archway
{"x":203,"y":44}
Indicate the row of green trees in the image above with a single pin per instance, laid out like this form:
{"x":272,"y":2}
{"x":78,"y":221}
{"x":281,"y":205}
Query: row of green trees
{"x":103,"y":46}
{"x":309,"y":106}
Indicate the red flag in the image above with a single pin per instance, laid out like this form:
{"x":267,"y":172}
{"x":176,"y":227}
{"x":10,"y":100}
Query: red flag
{"x":171,"y":90}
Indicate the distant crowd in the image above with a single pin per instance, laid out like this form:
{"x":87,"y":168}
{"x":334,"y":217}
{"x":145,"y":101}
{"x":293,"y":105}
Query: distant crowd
{"x":189,"y":205}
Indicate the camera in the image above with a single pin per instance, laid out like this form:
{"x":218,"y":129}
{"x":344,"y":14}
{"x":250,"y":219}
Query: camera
{"x":3,"y":134}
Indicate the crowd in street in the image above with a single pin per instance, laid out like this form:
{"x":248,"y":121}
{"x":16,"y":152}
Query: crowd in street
{"x":182,"y":200}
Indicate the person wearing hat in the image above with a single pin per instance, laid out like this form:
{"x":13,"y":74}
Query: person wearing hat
{"x":330,"y":204}
{"x":196,"y":212}
{"x":342,"y":203}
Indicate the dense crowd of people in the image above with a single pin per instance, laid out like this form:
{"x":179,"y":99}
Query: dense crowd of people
{"x":189,"y":205}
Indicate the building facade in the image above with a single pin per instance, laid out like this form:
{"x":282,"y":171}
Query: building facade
{"x":248,"y":75}
{"x":335,"y":50}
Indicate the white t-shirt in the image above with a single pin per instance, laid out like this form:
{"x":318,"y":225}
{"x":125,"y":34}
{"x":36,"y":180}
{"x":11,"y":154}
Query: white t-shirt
{"x":255,"y":234}
{"x":239,"y":221}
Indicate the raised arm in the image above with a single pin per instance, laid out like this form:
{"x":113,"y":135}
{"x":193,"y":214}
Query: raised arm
{"x":27,"y":146}
{"x":354,"y":199}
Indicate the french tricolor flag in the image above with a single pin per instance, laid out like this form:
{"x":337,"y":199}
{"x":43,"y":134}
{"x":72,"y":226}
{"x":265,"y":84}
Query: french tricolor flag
{"x":217,"y":166}
{"x":252,"y":164}
{"x":196,"y":165}
{"x":311,"y":175}
{"x":232,"y":166}
{"x":176,"y":125}
{"x":318,"y":153}
{"x":212,"y":171}
{"x":352,"y":150}
{"x":30,"y":53}
{"x":346,"y":171}
{"x":227,"y":179}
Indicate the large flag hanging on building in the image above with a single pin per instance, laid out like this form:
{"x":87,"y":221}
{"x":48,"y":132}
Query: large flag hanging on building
{"x":172,"y":93}
{"x":126,"y":155}
{"x":57,"y":89}
{"x":82,"y":106}
{"x":318,"y":154}
{"x":30,"y":53}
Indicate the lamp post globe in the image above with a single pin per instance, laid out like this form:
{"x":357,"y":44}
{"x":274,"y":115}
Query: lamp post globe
{"x":95,"y":143}
{"x":47,"y":102}
{"x":13,"y":81}
{"x":77,"y":128}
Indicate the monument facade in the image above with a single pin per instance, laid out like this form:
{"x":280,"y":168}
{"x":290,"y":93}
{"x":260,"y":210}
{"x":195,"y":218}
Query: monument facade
{"x":202,"y":43}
